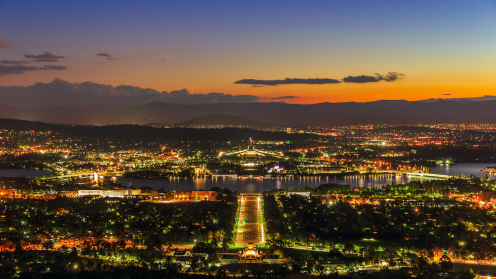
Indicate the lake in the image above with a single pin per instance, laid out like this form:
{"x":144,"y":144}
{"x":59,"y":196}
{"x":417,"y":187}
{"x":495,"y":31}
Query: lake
{"x":31,"y":173}
{"x":254,"y":185}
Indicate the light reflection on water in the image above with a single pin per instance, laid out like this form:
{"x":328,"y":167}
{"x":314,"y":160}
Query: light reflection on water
{"x":252,"y":185}
{"x":258,"y":185}
{"x":30,"y":173}
{"x":248,"y":185}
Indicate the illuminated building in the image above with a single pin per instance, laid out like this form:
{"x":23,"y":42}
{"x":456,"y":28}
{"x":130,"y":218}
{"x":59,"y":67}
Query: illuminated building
{"x":195,"y":195}
{"x":250,"y":255}
{"x":110,"y":193}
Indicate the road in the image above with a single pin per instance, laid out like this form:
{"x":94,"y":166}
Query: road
{"x":249,"y":220}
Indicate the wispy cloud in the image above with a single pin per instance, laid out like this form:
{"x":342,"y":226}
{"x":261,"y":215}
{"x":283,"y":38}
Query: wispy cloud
{"x":288,"y":81}
{"x":13,"y":62}
{"x":108,"y":56}
{"x":21,"y":69}
{"x":4,"y":44}
{"x":391,"y":76}
{"x":284,"y":97}
{"x":45,"y":57}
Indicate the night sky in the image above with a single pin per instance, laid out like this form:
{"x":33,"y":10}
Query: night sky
{"x":268,"y":51}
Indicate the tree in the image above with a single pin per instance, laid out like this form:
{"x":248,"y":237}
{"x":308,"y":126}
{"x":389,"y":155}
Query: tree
{"x":348,"y":246}
{"x":48,"y":245}
{"x":304,"y":256}
{"x":335,"y":254}
{"x":154,"y":241}
{"x":320,"y":269}
{"x":445,"y":263}
{"x":63,"y":249}
{"x":280,"y":254}
{"x":226,"y":242}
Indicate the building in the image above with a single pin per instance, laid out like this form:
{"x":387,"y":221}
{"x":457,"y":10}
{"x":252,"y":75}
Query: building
{"x":203,"y":195}
{"x":195,"y":195}
{"x":107,"y":193}
{"x":229,"y":258}
{"x":182,"y":196}
{"x":251,"y":160}
{"x":250,"y":255}
{"x":186,"y":258}
{"x":493,"y":202}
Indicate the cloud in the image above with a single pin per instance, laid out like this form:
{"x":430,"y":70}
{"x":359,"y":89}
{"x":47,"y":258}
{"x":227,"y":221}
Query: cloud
{"x":53,"y":67}
{"x":63,"y":93}
{"x":4,"y":44}
{"x":21,"y":69}
{"x":45,"y":57}
{"x":283,"y":97}
{"x":13,"y":62}
{"x":108,"y":56}
{"x":391,"y":76}
{"x":446,"y":94}
{"x":288,"y":81}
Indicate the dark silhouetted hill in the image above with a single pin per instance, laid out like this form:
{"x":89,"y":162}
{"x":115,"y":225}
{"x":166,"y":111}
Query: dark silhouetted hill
{"x":226,"y":120}
{"x":149,"y":134}
{"x":324,"y":114}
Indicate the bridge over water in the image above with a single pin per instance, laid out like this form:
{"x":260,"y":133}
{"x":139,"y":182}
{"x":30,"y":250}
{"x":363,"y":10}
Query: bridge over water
{"x":79,"y":175}
{"x":430,"y":175}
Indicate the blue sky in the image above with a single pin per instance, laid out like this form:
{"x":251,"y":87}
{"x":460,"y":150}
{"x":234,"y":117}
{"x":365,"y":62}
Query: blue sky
{"x":205,"y":46}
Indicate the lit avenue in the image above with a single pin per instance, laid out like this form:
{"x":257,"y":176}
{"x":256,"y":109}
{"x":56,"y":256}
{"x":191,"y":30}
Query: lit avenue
{"x":74,"y":213}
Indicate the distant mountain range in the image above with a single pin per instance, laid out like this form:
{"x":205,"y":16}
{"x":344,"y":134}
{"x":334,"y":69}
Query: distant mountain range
{"x":323,"y":114}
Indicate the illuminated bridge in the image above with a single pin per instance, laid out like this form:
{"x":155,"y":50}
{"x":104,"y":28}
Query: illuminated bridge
{"x":79,"y":175}
{"x":431,"y":175}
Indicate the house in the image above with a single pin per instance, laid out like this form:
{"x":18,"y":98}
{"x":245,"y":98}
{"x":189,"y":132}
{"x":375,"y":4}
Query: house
{"x":184,"y":253}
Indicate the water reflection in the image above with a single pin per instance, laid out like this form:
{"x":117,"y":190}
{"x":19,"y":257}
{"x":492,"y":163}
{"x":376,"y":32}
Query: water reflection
{"x":30,"y":173}
{"x":257,"y":185}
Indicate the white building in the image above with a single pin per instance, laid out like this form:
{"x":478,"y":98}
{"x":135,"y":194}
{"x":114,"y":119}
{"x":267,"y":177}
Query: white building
{"x":110,"y":193}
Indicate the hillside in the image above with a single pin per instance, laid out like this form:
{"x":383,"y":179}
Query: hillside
{"x":226,"y":120}
{"x":149,"y":134}
{"x":292,"y":115}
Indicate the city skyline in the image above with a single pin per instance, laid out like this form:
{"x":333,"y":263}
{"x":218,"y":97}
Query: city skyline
{"x":298,"y":53}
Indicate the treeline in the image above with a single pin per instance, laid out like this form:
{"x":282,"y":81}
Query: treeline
{"x":472,"y":185}
{"x":425,"y":223}
{"x":273,"y":217}
{"x":330,"y":188}
{"x":146,"y":174}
